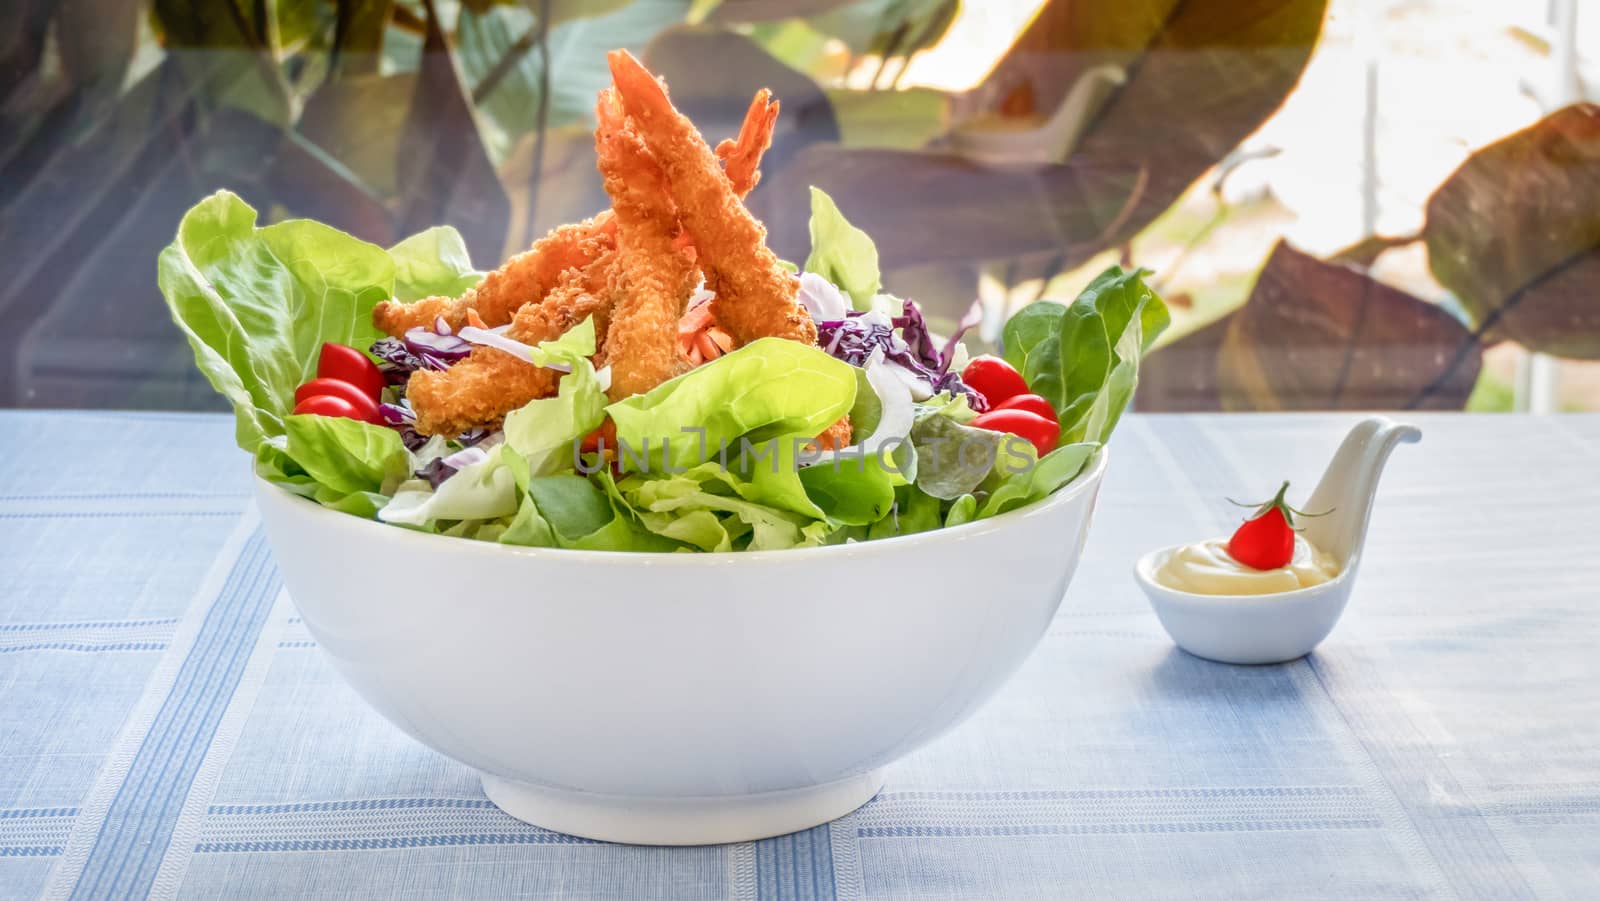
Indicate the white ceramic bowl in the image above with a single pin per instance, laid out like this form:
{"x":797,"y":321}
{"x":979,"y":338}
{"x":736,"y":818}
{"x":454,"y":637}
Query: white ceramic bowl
{"x":1275,"y":628}
{"x":1246,"y":629}
{"x":679,"y":698}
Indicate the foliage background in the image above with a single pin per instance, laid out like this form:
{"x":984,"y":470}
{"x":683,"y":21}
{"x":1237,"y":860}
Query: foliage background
{"x":385,"y":117}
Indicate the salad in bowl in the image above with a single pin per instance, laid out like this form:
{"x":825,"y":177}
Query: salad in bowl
{"x":669,"y":540}
{"x":652,"y":379}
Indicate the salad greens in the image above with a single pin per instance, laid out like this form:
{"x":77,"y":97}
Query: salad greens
{"x":718,"y":459}
{"x":842,"y":253}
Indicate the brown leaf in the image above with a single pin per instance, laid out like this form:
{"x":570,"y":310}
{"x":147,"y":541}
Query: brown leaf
{"x":1320,"y":336}
{"x":1514,"y":234}
{"x":1213,"y":73}
{"x":732,"y":11}
{"x":444,"y":172}
{"x":938,"y":207}
{"x":1203,"y":75}
{"x":1366,"y":251}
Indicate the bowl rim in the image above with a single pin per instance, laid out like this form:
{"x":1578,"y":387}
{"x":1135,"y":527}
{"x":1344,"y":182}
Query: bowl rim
{"x":1086,"y":481}
{"x":1144,"y":573}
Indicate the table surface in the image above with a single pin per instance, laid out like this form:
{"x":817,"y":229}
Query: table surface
{"x":168,"y":727}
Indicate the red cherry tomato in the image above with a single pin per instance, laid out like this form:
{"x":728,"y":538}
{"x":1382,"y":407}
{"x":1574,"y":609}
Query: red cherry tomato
{"x":1266,"y":542}
{"x":1266,"y":539}
{"x":607,"y":432}
{"x":328,"y":405}
{"x":1033,"y":403}
{"x":1038,"y":431}
{"x":350,"y":365}
{"x":336,"y":388}
{"x":994,"y":378}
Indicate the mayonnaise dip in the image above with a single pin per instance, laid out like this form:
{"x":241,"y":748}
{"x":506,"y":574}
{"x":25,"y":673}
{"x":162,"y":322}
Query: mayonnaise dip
{"x":1208,"y":568}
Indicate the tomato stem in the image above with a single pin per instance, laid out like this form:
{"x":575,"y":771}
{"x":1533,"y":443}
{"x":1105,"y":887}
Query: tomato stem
{"x":1278,"y":503}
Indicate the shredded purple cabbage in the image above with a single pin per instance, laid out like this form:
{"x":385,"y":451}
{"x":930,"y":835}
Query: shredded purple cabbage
{"x":402,"y":419}
{"x":855,"y":337}
{"x":437,"y":349}
{"x":395,"y":360}
{"x":440,"y":469}
{"x":420,"y":348}
{"x":915,"y":332}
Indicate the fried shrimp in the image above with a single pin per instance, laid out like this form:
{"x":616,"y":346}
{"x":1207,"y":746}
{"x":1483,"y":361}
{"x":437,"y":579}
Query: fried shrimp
{"x":741,"y":156}
{"x":837,"y":436}
{"x":653,"y":277}
{"x":525,"y":278}
{"x":479,"y":391}
{"x":755,"y":296}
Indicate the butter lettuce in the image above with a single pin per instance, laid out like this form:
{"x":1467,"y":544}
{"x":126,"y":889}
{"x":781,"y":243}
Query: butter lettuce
{"x":771,"y":390}
{"x":340,"y":463}
{"x":256,"y":304}
{"x":710,"y":499}
{"x":842,"y":253}
{"x":546,"y":431}
{"x":485,"y":490}
{"x":719,"y":459}
{"x":432,"y":263}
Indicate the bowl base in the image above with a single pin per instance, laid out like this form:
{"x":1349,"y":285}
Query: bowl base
{"x":1247,"y":657}
{"x":681,"y":821}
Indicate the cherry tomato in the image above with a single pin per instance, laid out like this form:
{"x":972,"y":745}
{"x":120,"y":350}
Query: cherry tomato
{"x":607,"y":432}
{"x":350,"y":365}
{"x":1038,"y":431}
{"x":1266,"y":542}
{"x":994,"y":378}
{"x":328,"y":405}
{"x":340,"y":389}
{"x":1033,"y":403}
{"x":1266,"y":539}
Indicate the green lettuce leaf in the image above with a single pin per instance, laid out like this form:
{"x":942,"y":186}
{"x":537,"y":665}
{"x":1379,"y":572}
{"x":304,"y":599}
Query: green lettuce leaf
{"x":708,"y":493}
{"x":574,"y":345}
{"x":569,"y":511}
{"x":571,"y":504}
{"x":771,"y":390}
{"x":528,"y":528}
{"x":545,"y":431}
{"x":432,"y":263}
{"x":842,"y":253}
{"x":485,"y":490}
{"x":1084,"y":357}
{"x":962,"y":511}
{"x":914,"y":511}
{"x":854,"y":491}
{"x":345,"y":455}
{"x":955,"y":459}
{"x":1053,"y":470}
{"x":339,"y":463}
{"x":256,"y":304}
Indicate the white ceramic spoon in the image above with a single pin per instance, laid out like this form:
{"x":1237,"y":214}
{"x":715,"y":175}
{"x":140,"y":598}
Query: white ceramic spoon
{"x":1273,"y":628}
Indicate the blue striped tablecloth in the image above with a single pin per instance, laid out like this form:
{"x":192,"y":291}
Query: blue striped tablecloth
{"x":168,"y":728}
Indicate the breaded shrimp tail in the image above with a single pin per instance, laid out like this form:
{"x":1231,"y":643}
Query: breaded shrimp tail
{"x":755,"y":296}
{"x":741,"y":157}
{"x":525,"y":278}
{"x":653,"y":277}
{"x":479,"y":391}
